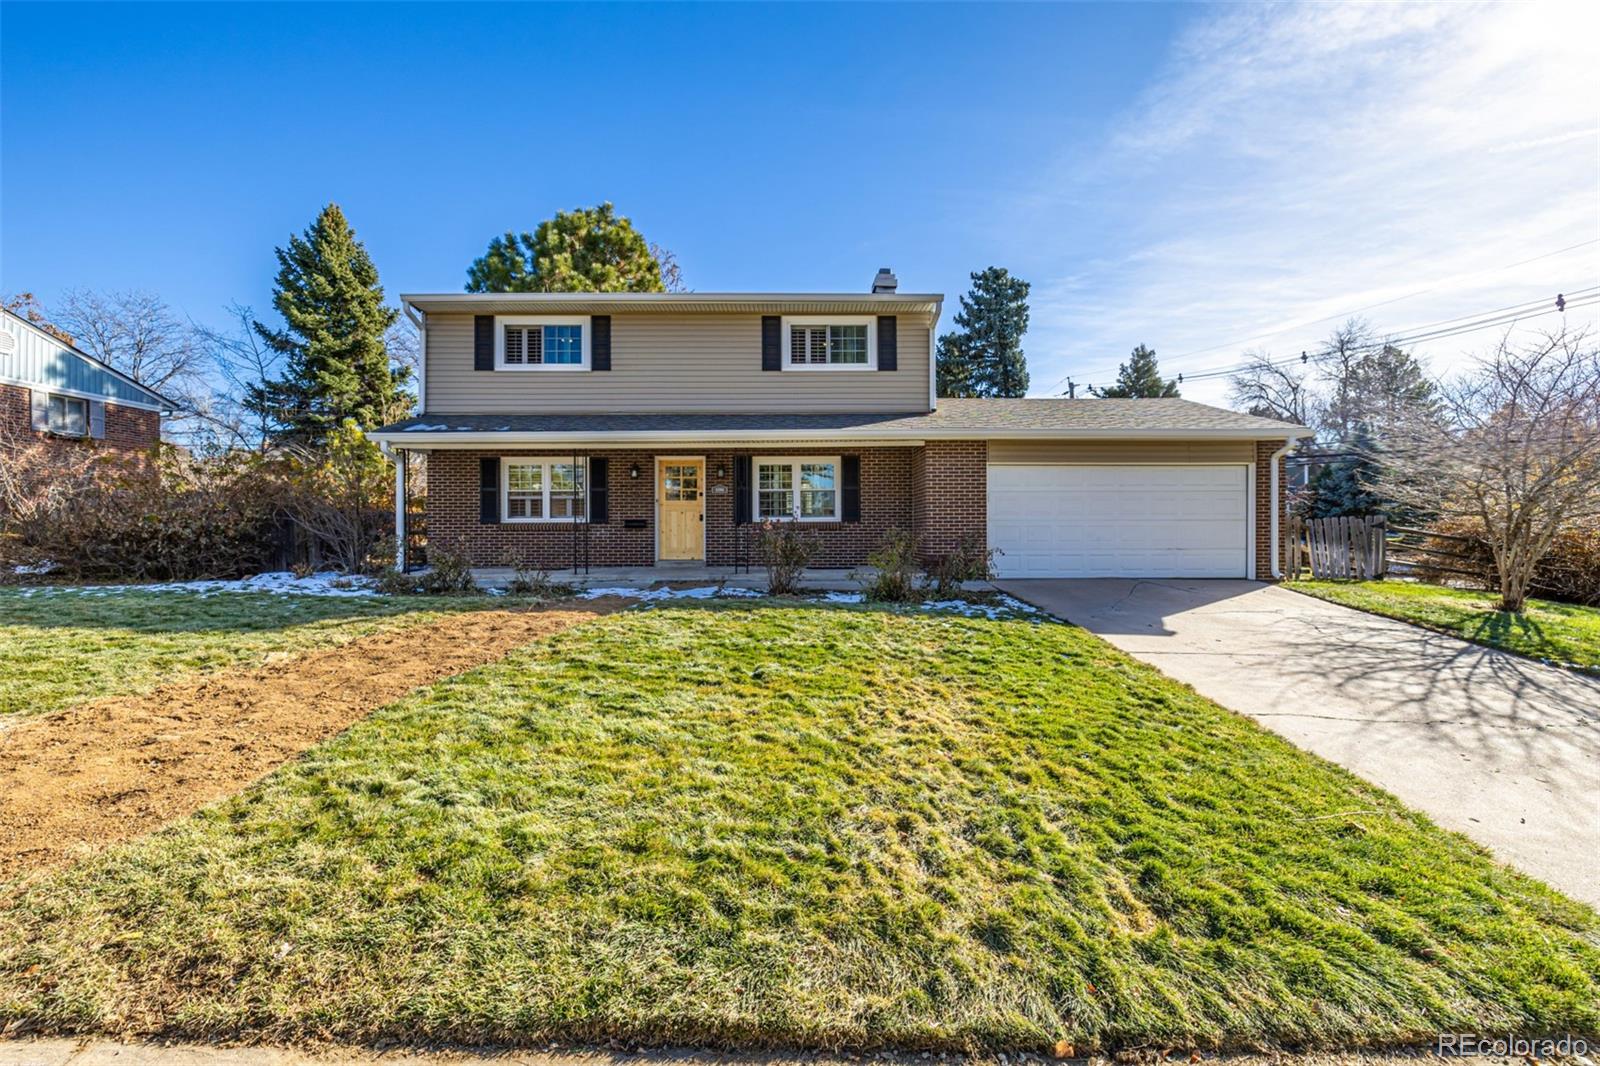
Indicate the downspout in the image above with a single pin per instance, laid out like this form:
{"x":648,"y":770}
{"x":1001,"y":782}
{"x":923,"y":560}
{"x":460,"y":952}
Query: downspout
{"x":1277,"y":508}
{"x":398,"y":458}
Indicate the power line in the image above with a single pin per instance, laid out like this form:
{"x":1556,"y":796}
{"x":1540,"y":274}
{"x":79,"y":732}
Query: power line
{"x":1358,"y":310}
{"x":1433,"y":331}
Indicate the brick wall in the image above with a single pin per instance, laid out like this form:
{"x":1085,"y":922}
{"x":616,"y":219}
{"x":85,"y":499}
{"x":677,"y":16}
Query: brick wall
{"x":885,"y":505}
{"x":1263,"y":489}
{"x":453,"y":515}
{"x":453,"y":511}
{"x":951,"y":494}
{"x":128,"y":429}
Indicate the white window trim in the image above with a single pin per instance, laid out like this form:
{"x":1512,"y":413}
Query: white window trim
{"x":794,"y":461}
{"x":545,"y":518}
{"x":502,"y":321}
{"x":832,"y":320}
{"x":88,"y":414}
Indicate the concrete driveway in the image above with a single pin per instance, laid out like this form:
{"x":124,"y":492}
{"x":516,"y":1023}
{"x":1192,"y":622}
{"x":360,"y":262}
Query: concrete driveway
{"x":1497,"y":747}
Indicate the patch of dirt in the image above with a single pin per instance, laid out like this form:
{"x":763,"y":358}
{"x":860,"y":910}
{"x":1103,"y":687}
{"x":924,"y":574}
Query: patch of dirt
{"x":116,"y":768}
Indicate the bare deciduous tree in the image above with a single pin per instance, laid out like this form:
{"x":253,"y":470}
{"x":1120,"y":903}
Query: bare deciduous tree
{"x":1264,"y":388}
{"x":1517,"y":449}
{"x":241,"y":359}
{"x":137,"y":333}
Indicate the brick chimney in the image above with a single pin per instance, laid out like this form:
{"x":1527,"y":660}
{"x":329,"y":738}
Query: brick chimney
{"x":885,"y":281}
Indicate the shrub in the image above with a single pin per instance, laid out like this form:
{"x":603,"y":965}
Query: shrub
{"x":968,"y":561}
{"x":340,"y":496}
{"x":785,"y":549}
{"x":529,"y":579}
{"x":166,"y":517}
{"x":1569,"y":571}
{"x":894,"y":563}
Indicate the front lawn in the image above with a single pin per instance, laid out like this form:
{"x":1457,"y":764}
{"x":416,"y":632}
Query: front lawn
{"x":59,"y":646}
{"x":757,"y":825}
{"x":1559,"y":632}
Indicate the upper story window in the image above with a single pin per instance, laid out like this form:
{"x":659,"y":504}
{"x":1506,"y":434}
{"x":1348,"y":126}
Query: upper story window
{"x":830,"y":343}
{"x":540,"y":342}
{"x":69,"y":416}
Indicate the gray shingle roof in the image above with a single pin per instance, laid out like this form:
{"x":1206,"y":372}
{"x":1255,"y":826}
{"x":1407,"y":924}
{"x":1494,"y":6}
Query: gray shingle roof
{"x":954,"y":419}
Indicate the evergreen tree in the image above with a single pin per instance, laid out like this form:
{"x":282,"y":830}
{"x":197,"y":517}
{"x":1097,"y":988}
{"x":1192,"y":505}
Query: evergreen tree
{"x":336,"y":364}
{"x":586,"y":250}
{"x":1140,"y":378}
{"x":984,"y":356}
{"x":1344,"y":486}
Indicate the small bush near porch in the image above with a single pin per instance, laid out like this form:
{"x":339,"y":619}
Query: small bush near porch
{"x":754,"y":826}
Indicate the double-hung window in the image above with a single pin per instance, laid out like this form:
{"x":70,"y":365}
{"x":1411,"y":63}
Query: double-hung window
{"x":806,"y":488}
{"x":69,"y":416}
{"x":830,"y":343}
{"x":539,"y":342}
{"x":543,"y":490}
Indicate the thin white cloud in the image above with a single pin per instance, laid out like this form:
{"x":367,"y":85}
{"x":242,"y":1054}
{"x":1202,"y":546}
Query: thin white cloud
{"x":1292,"y":163}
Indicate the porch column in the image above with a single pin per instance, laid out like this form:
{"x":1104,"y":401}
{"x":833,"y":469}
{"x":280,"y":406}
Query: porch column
{"x":399,"y":457}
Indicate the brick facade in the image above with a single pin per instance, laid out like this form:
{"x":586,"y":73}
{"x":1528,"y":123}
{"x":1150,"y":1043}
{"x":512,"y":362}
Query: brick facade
{"x":128,"y":429}
{"x":453,"y":510}
{"x":938,"y":490}
{"x":951,"y":494}
{"x":1263,"y":516}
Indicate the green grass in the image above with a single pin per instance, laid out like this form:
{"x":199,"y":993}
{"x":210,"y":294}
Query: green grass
{"x":1561,"y":632}
{"x":59,"y":647}
{"x":752,"y":825}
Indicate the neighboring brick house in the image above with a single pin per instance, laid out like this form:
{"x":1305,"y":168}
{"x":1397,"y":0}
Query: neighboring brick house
{"x":648,"y":429}
{"x":57,"y":401}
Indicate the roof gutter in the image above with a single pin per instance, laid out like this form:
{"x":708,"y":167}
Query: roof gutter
{"x":425,"y":438}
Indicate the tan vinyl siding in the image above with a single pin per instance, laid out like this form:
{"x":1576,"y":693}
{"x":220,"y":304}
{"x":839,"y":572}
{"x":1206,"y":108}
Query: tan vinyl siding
{"x":1123,"y":451}
{"x":688,"y":363}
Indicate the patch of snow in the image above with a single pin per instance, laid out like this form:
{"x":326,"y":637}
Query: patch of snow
{"x":421,"y":428}
{"x":843,"y":597}
{"x":42,"y":567}
{"x":651,"y":595}
{"x":279,"y":583}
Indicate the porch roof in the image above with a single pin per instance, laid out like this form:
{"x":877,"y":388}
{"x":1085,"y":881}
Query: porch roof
{"x":964,"y":419}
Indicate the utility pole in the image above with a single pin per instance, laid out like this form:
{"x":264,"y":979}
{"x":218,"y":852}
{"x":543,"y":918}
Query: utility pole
{"x":1072,"y":389}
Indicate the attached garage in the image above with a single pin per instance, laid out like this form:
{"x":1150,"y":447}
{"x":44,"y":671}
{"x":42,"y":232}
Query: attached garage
{"x":1120,"y":520}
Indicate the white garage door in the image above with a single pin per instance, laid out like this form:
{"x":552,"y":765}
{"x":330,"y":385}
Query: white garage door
{"x":1119,"y":521}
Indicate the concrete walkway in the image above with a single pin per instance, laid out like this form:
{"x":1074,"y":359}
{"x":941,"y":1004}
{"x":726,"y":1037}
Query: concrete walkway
{"x":1500,"y":748}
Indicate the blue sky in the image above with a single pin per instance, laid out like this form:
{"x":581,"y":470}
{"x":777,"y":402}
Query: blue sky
{"x":1189,"y":177}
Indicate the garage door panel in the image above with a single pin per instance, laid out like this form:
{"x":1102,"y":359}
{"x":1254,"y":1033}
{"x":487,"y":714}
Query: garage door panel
{"x":1105,"y":520}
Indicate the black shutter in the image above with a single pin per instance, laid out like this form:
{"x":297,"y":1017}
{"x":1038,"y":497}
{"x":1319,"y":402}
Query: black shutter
{"x":489,"y":491}
{"x":599,"y":490}
{"x":850,"y":489}
{"x":741,"y":490}
{"x":888,"y":342}
{"x":483,"y":342}
{"x":771,"y":342}
{"x":600,"y":342}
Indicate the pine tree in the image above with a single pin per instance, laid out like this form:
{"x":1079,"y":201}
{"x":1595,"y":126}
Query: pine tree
{"x":1344,"y":486}
{"x":984,"y":356}
{"x":1140,"y":378}
{"x":336,"y":364}
{"x":586,"y":250}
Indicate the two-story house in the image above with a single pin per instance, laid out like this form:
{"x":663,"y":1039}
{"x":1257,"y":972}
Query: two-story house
{"x":56,"y":399}
{"x":643,"y":429}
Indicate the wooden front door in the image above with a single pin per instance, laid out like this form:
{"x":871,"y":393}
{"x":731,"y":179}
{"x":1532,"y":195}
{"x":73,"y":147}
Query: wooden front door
{"x":680,"y":501}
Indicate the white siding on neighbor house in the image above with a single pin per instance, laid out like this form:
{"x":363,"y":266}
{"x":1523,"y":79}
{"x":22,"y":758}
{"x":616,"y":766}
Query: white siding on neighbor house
{"x":690,"y":363}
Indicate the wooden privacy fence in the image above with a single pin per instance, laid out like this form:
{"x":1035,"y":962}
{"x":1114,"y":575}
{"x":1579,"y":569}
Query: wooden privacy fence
{"x":1349,"y":547}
